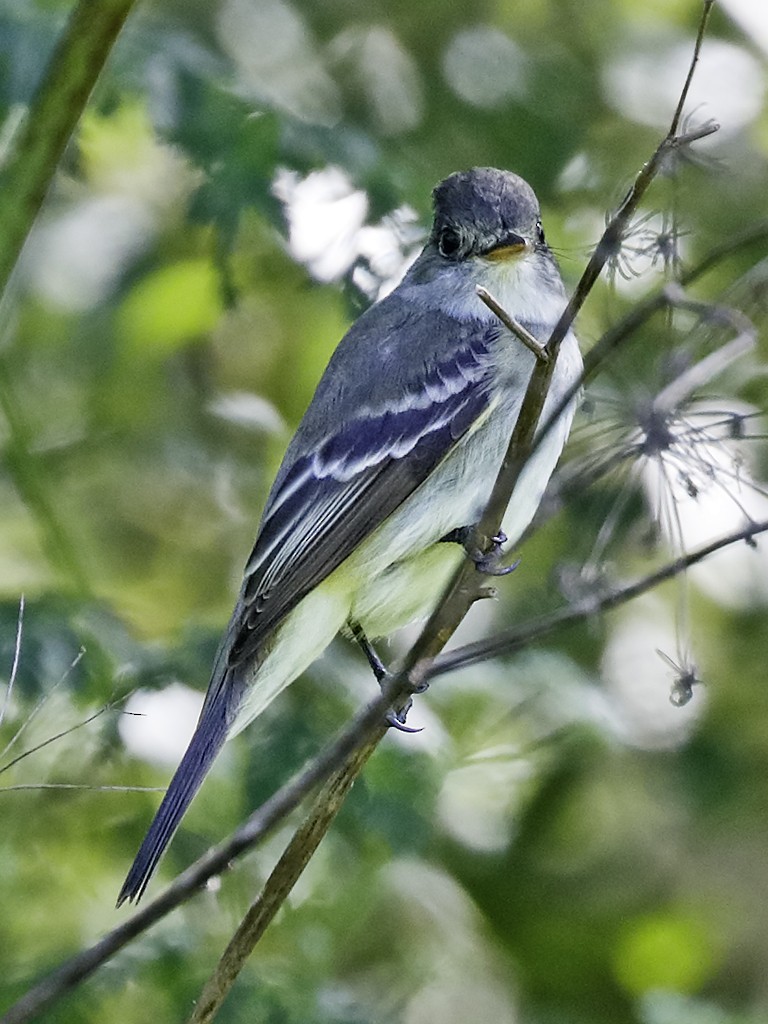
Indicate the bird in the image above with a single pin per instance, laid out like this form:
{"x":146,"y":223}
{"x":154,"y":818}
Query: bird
{"x":391,"y":465}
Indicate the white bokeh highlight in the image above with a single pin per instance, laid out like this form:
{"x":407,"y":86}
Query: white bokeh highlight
{"x":639,"y":682}
{"x":752,"y":17}
{"x":729,"y":84}
{"x":328,"y":230}
{"x":158,"y":724}
{"x":277,"y":59}
{"x":485,"y":68}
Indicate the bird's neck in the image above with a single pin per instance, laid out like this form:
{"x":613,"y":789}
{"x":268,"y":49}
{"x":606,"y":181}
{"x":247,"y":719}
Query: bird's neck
{"x":529,"y":288}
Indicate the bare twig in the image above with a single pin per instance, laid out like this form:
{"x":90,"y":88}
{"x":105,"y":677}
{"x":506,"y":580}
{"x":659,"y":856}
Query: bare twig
{"x":64,"y":732}
{"x":521,"y":636}
{"x":15,"y":664}
{"x":35,"y":711}
{"x":708,"y":5}
{"x":279,"y":884}
{"x":512,"y":325}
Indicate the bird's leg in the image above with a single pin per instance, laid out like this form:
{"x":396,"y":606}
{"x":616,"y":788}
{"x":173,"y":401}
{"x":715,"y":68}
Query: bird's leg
{"x":382,"y":673}
{"x":377,"y":665}
{"x":486,"y":562}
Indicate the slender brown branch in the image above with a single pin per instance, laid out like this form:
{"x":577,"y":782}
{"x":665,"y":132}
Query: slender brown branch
{"x":57,"y":736}
{"x":512,"y":325}
{"x":280,"y":882}
{"x":35,"y":711}
{"x":703,"y":20}
{"x":521,"y":636}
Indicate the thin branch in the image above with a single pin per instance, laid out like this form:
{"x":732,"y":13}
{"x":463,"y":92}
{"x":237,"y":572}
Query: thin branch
{"x":708,"y":5}
{"x":60,"y":735}
{"x":521,"y":636}
{"x":283,"y":877}
{"x":512,"y":325}
{"x":35,"y":711}
{"x":15,"y":664}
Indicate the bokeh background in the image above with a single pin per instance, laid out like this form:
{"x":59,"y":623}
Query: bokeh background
{"x":561,"y":844}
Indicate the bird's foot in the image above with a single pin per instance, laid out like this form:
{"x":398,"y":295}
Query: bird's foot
{"x":396,"y":719}
{"x":486,"y":562}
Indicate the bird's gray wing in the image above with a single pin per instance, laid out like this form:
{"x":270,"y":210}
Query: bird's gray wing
{"x":331,"y":498}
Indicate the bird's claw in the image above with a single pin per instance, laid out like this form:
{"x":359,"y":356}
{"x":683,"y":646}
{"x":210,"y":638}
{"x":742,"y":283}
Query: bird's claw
{"x":488,"y":565}
{"x":488,"y":562}
{"x":397,"y":720}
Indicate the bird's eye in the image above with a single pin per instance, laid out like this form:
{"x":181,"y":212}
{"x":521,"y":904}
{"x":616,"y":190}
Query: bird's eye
{"x":540,"y":233}
{"x":448,"y":243}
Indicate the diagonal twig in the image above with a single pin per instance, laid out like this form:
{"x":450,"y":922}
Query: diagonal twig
{"x":15,"y":663}
{"x":521,"y":636}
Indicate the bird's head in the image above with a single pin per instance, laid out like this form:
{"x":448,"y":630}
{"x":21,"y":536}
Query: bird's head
{"x":486,"y":213}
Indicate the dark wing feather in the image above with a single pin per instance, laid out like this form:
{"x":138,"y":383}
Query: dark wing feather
{"x":334,"y":497}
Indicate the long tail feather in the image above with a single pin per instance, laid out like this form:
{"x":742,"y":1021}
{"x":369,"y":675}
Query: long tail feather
{"x":207,"y":741}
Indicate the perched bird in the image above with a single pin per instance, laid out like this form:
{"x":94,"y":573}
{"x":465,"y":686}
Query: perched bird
{"x":394,"y":459}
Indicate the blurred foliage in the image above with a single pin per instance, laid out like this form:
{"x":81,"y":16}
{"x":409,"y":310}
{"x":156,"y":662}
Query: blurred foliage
{"x":560,"y":846}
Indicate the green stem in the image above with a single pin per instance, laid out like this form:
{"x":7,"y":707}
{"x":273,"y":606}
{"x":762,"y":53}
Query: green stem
{"x":60,"y":100}
{"x":53,"y":115}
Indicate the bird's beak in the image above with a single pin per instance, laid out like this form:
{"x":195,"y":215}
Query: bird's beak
{"x":512,"y":246}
